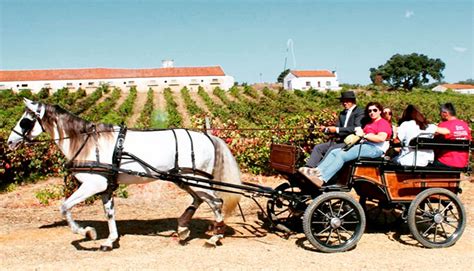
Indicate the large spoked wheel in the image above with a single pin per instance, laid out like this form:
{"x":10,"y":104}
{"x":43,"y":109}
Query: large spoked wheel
{"x":436,"y":218}
{"x":334,"y":222}
{"x":285,"y":215}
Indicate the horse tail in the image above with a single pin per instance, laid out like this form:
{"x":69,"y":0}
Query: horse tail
{"x":226,"y":170}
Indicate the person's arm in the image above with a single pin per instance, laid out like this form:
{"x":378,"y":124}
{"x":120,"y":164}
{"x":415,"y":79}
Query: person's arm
{"x":442,"y":131}
{"x":376,"y":138}
{"x":357,"y":114}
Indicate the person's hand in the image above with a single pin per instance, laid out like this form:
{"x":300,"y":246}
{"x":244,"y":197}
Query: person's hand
{"x":359,"y":132}
{"x":331,"y":129}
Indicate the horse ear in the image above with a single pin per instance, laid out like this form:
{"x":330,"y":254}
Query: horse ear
{"x":38,"y":108}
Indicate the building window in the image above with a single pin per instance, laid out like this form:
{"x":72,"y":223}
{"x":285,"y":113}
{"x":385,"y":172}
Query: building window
{"x":202,"y":81}
{"x":308,"y":83}
{"x":69,"y":84}
{"x":47,"y":84}
{"x":131,"y":82}
{"x":17,"y":85}
{"x":328,"y":83}
{"x":90,"y":83}
{"x":319,"y":84}
{"x":215,"y":80}
{"x":124,"y":83}
{"x":166,"y":81}
{"x":24,"y":85}
{"x":80,"y":84}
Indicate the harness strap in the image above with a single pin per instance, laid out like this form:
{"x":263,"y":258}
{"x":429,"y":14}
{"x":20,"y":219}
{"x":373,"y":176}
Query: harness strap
{"x":192,"y":149}
{"x":176,"y":166}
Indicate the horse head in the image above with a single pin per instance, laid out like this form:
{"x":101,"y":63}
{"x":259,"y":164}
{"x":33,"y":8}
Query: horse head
{"x":29,"y":126}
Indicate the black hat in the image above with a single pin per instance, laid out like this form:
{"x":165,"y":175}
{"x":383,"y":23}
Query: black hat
{"x":348,"y":95}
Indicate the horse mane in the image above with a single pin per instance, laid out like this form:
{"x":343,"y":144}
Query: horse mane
{"x":73,"y":128}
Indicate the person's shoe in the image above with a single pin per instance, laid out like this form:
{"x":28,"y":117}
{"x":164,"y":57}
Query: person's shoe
{"x":308,"y":171}
{"x":312,"y":175}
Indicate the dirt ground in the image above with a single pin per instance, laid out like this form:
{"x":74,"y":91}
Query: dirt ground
{"x":34,"y":237}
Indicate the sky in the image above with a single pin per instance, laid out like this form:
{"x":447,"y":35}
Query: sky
{"x":251,"y":40}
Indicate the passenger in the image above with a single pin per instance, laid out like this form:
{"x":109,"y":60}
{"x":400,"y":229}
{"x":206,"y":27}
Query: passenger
{"x":349,"y":118}
{"x":387,"y":114}
{"x":374,"y":144}
{"x":458,"y":129}
{"x":413,"y":124}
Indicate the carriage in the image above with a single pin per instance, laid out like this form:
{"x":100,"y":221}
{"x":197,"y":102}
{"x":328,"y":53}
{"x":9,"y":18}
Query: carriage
{"x":424,"y":197}
{"x":332,"y":219}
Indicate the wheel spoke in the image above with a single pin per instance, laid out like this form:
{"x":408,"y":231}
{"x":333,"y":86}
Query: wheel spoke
{"x":348,"y":212}
{"x":344,"y":229}
{"x":429,"y":228}
{"x":449,"y":224}
{"x":455,"y":216}
{"x":436,"y":233}
{"x":338,"y":236}
{"x":340,"y":208}
{"x":439,"y":203}
{"x":444,"y":231}
{"x":424,"y":221}
{"x":429,"y":204}
{"x":329,"y":235}
{"x":450,"y":203}
{"x":324,"y":214}
{"x":330,"y":208}
{"x":321,"y":232}
{"x":423,"y":212}
{"x":351,"y":222}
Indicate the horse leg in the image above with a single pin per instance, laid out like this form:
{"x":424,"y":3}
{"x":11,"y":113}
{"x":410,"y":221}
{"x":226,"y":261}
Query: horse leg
{"x":91,"y":185}
{"x":215,"y":204}
{"x":183,"y":221}
{"x":108,"y":202}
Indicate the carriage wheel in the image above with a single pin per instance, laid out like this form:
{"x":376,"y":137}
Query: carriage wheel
{"x":436,"y":218}
{"x":334,"y":222}
{"x":285,"y":215}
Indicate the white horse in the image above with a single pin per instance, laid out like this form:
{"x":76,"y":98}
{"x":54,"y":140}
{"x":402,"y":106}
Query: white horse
{"x":164,"y":150}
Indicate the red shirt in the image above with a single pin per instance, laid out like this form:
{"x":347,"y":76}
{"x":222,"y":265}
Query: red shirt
{"x":381,"y":125}
{"x":458,"y":130}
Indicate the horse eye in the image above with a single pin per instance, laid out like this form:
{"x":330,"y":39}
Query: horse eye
{"x":26,"y":124}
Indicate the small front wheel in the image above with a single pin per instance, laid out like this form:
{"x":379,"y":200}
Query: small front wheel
{"x":436,"y":218}
{"x":334,"y":222}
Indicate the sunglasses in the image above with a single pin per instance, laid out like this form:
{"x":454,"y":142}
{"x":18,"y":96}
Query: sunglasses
{"x":375,"y":110}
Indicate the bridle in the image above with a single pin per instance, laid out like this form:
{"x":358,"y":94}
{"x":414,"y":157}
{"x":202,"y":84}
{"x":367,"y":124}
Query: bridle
{"x":27,"y":125}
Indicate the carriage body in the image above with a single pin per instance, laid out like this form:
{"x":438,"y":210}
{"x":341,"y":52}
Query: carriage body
{"x":424,"y":197}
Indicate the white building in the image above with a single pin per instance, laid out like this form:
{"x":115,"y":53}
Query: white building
{"x":460,"y":88}
{"x":305,"y":80}
{"x":143,"y":79}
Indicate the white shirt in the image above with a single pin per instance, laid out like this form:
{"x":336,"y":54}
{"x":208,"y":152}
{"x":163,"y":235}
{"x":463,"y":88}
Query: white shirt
{"x":348,"y":114}
{"x":406,"y":132}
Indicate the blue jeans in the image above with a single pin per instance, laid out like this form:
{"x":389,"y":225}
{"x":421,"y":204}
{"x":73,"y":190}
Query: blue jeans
{"x":335,"y":160}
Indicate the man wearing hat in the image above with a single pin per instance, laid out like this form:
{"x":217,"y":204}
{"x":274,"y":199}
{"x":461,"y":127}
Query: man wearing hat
{"x":350,"y":118}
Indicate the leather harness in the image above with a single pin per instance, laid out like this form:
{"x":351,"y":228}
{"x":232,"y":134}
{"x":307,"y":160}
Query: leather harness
{"x":111,"y":171}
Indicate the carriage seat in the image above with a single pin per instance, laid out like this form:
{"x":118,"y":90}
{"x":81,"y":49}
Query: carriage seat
{"x":435,"y":144}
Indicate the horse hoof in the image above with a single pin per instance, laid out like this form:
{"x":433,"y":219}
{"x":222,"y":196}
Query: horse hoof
{"x":105,"y":248}
{"x":183,"y":233}
{"x":91,"y":233}
{"x":214,"y":241}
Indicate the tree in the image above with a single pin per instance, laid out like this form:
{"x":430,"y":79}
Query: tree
{"x":408,"y":71}
{"x":282,"y":75}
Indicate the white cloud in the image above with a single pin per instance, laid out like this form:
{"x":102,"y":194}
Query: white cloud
{"x":409,"y":13}
{"x":459,"y":49}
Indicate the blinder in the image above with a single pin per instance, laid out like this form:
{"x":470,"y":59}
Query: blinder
{"x":26,"y":125}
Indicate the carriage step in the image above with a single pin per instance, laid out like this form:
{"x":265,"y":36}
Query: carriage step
{"x":335,"y":187}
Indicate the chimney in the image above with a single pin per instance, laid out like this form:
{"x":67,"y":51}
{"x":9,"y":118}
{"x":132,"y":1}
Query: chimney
{"x":167,"y":63}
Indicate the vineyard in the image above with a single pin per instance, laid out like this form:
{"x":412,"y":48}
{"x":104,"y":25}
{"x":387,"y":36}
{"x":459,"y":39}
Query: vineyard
{"x":247,"y":119}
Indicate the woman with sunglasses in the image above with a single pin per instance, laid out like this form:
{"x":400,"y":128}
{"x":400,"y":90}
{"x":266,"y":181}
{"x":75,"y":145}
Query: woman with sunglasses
{"x":373,"y":144}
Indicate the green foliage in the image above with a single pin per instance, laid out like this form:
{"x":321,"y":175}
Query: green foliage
{"x":144,"y":120}
{"x":101,"y":109}
{"x":408,"y":71}
{"x":216,"y":110}
{"x":84,"y":104}
{"x":51,"y":192}
{"x":191,"y":105}
{"x":248,"y":90}
{"x":124,"y":111}
{"x":174,"y":117}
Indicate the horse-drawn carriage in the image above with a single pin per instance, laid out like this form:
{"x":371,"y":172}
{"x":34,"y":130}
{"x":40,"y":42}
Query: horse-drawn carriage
{"x":102,"y":156}
{"x":332,"y":220}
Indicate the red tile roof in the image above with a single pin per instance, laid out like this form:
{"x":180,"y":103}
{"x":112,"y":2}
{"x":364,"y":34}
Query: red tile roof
{"x":458,"y":86}
{"x":106,"y":73}
{"x":321,"y":73}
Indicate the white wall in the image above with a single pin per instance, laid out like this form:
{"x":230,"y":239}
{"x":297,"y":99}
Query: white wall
{"x":462,"y":91}
{"x":142,"y":84}
{"x":292,"y":82}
